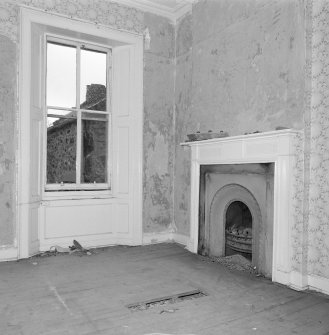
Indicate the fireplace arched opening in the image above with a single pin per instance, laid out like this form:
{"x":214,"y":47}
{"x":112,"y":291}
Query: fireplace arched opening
{"x":238,"y":229}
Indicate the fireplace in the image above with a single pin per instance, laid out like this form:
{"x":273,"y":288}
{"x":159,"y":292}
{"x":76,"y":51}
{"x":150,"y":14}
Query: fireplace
{"x":236,"y":212}
{"x":274,"y":151}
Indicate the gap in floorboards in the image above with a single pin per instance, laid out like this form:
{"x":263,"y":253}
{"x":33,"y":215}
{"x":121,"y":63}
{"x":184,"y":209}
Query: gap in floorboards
{"x":141,"y":306}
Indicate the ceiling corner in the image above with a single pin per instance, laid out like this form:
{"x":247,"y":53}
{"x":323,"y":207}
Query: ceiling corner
{"x":170,"y":9}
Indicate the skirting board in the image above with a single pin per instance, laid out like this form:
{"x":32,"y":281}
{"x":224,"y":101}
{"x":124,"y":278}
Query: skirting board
{"x":11,"y":253}
{"x":319,"y":284}
{"x":297,"y":282}
{"x":8,"y":254}
{"x":181,"y":239}
{"x":85,"y":241}
{"x":154,"y":238}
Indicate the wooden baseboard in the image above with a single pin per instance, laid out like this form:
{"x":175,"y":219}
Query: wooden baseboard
{"x":8,"y":254}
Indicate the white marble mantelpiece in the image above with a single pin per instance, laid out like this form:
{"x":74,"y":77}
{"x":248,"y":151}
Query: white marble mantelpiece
{"x":276,"y":147}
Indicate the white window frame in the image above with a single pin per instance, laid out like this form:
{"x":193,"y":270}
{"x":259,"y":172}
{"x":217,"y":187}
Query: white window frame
{"x":78,"y":43}
{"x":117,"y":212}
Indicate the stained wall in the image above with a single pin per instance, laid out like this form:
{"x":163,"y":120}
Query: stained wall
{"x":158,"y":102}
{"x":244,"y":66}
{"x":317,"y":216}
{"x":158,"y":124}
{"x":7,"y":140}
{"x":240,"y":68}
{"x":184,"y":122}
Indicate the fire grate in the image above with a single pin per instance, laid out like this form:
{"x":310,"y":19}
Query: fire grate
{"x":140,"y":306}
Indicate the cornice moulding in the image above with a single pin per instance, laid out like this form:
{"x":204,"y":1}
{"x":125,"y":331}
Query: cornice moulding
{"x":171,"y":13}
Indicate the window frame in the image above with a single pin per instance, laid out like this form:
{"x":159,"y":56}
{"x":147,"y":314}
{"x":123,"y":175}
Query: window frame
{"x":81,"y":188}
{"x":35,"y":207}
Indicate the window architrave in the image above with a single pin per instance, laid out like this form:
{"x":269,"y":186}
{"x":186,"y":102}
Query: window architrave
{"x":124,"y":201}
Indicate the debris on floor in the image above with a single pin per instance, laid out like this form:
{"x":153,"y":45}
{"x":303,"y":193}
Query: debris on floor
{"x":60,"y":249}
{"x":53,"y":251}
{"x":78,"y":247}
{"x":56,"y":249}
{"x":234,"y":262}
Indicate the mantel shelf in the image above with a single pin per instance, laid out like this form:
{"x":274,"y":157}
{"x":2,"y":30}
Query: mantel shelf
{"x":262,"y":135}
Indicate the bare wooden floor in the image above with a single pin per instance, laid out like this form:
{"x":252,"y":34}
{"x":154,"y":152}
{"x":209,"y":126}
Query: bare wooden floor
{"x":68,"y":294}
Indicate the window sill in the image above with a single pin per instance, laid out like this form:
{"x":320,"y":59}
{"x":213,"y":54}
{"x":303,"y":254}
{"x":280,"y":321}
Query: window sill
{"x":77,"y":195}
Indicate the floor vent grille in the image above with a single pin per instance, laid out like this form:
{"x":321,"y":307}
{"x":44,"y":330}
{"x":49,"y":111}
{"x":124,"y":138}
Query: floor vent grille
{"x":140,"y":306}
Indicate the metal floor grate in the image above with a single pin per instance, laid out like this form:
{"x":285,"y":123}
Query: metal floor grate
{"x":166,"y":300}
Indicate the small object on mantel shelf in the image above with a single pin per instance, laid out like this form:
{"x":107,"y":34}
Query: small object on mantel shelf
{"x":253,"y":132}
{"x":197,"y":136}
{"x":281,"y":128}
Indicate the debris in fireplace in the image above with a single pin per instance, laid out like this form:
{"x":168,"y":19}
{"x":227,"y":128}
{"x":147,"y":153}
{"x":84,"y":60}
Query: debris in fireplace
{"x":239,"y":238}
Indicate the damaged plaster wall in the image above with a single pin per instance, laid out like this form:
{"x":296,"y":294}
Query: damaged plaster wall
{"x":184,"y":122}
{"x":240,"y":68}
{"x":158,"y":101}
{"x":7,"y":148}
{"x":158,"y":124}
{"x":317,"y":216}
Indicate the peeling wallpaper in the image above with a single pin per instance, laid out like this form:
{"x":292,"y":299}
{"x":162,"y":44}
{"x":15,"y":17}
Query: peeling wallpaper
{"x":100,"y":11}
{"x":237,"y":66}
{"x":158,"y":125}
{"x":318,"y":215}
{"x":7,"y":131}
{"x":240,"y":68}
{"x":184,"y":123}
{"x":158,"y":102}
{"x":297,"y":236}
{"x":247,"y":66}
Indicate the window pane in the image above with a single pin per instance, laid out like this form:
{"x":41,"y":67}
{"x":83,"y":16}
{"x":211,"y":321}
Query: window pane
{"x":93,"y":80}
{"x":94,"y":151}
{"x":61,"y":75}
{"x":61,"y":149}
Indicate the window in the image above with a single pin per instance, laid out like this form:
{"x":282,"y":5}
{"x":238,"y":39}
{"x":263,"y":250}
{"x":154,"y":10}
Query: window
{"x":101,"y":213}
{"x":77,"y":108}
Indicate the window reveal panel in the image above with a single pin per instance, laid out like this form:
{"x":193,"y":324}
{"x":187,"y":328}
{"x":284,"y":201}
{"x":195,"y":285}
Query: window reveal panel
{"x":61,"y":149}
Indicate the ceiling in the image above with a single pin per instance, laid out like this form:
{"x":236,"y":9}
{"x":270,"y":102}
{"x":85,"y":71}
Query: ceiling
{"x":171,"y":9}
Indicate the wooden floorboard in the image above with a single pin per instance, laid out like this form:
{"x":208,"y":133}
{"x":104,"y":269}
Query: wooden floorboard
{"x":88,"y":295}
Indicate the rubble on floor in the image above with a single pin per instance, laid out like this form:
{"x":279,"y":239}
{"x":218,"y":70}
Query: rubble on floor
{"x":234,"y":262}
{"x":76,"y":248}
